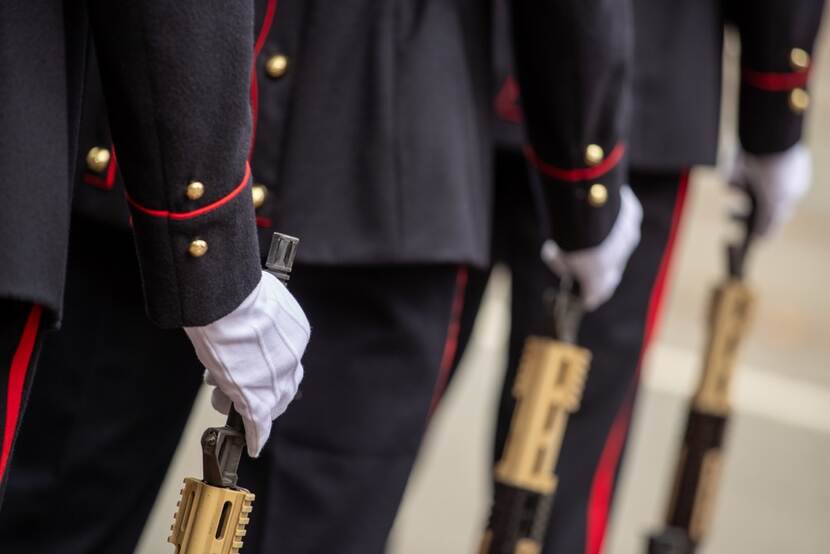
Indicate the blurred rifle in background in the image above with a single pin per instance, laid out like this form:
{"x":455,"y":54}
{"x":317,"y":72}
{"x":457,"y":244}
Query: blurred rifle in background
{"x":548,"y":387}
{"x":698,"y":469}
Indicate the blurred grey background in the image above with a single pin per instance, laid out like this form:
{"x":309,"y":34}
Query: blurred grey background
{"x":775,"y":495}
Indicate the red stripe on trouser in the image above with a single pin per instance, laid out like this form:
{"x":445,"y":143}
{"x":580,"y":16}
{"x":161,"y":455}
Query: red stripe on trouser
{"x":603,"y":484}
{"x":451,"y":342}
{"x":17,"y":380}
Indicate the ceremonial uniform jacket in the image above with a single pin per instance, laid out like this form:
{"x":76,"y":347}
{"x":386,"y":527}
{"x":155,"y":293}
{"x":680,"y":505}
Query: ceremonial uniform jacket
{"x":176,"y":76}
{"x":373,"y":124}
{"x":677,"y":77}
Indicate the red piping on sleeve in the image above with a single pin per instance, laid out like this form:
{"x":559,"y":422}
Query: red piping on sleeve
{"x":451,"y":342}
{"x":109,"y":179}
{"x":179,"y":216}
{"x":578,"y":174}
{"x":17,"y":380}
{"x":775,"y":82}
{"x":599,"y":504}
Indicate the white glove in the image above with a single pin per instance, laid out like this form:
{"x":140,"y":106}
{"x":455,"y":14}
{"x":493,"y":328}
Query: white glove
{"x":252,"y":355}
{"x":598,"y":269}
{"x":778,"y":182}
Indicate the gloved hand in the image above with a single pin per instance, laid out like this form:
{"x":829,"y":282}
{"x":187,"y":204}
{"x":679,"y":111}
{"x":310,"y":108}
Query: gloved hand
{"x":598,"y":269}
{"x":252,"y":356}
{"x":778,"y":182}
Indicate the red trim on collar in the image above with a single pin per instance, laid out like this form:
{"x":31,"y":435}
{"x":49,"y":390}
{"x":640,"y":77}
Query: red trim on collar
{"x":578,"y":174}
{"x":178,"y":216}
{"x":775,"y":82}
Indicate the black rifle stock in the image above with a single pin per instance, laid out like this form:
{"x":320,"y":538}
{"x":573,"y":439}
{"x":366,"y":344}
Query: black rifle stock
{"x":697,"y":476}
{"x":212,"y":513}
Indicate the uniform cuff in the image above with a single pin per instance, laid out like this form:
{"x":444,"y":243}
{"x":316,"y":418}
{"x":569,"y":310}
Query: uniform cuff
{"x":582,"y":202}
{"x":199,"y":268}
{"x":772,"y":108}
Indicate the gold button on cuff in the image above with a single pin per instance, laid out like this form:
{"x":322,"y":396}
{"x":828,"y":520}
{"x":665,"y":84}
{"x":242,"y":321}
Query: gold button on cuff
{"x":276,"y":66}
{"x":197,"y":248}
{"x":195,"y":190}
{"x":594,"y":154}
{"x":799,"y":59}
{"x":597,"y":195}
{"x":799,"y":100}
{"x":259,"y":193}
{"x":97,"y":159}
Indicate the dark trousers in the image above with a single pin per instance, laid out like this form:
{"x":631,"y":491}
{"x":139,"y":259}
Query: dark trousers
{"x":332,"y":476}
{"x":114,"y":393}
{"x":21,"y":329}
{"x":616,"y":333}
{"x":112,"y":396}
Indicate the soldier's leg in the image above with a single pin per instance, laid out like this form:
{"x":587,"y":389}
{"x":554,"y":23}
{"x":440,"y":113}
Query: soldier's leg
{"x":332,"y":476}
{"x":616,"y":334}
{"x":21,"y":329}
{"x":112,"y":396}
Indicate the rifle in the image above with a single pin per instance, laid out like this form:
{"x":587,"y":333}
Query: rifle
{"x":698,"y":469}
{"x":212,"y":513}
{"x":548,"y":387}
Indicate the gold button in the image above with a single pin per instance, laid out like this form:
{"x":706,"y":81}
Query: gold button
{"x":276,"y":66}
{"x":259,"y":194}
{"x":594,"y":154}
{"x":97,"y":159}
{"x":197,"y":248}
{"x":597,"y":195}
{"x":195,"y":190}
{"x":799,"y":100}
{"x":799,"y":59}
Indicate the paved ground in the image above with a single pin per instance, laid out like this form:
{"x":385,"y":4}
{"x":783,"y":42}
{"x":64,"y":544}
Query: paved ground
{"x":776,"y":489}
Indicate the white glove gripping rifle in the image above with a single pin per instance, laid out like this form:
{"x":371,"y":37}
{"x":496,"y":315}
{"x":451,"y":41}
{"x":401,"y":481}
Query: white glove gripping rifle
{"x":212,"y":513}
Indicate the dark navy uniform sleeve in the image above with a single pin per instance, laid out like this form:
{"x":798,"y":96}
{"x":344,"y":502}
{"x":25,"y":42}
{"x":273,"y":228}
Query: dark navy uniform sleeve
{"x":777,"y":41}
{"x":176,"y":79}
{"x":573,"y":62}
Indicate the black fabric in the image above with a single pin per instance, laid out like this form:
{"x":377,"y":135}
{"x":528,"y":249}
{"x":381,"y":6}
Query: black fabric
{"x":39,"y":95}
{"x":374,"y":144}
{"x":14,"y":317}
{"x":614,"y":332}
{"x":180,"y":111}
{"x":332,"y":475}
{"x":386,"y":108}
{"x":112,"y":397}
{"x":769,"y":31}
{"x":588,"y":47}
{"x":677,"y":83}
